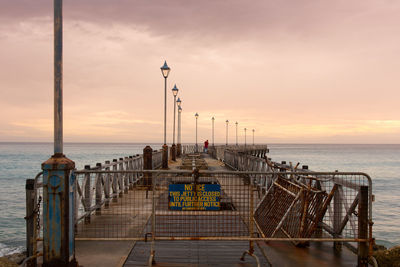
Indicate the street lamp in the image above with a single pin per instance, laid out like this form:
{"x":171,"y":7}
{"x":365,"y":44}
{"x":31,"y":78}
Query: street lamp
{"x":236,"y":132}
{"x":253,"y":136}
{"x":173,"y":148}
{"x":165,"y":71}
{"x":213,"y":119}
{"x":227,"y":123}
{"x":245,"y":136}
{"x":197,"y":116}
{"x":179,"y":146}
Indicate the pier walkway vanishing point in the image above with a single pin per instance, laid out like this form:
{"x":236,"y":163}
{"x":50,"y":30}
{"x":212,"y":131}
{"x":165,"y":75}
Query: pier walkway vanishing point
{"x":230,"y":207}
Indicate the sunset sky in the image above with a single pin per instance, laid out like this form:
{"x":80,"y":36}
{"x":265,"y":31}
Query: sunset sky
{"x":296,"y":71}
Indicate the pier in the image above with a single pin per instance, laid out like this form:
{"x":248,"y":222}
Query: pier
{"x":180,"y":205}
{"x":252,"y":211}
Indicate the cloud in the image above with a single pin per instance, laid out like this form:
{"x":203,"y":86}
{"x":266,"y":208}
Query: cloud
{"x":294,"y":70}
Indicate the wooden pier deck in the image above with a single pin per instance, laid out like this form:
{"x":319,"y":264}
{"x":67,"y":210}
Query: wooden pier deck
{"x":203,"y":253}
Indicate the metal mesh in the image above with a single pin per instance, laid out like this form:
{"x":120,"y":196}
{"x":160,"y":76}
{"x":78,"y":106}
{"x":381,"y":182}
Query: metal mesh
{"x":306,"y":205}
{"x":114,"y":204}
{"x":111,"y":208}
{"x":230,"y":218}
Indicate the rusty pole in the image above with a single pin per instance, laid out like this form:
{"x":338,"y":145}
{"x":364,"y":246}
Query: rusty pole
{"x":58,"y":185}
{"x":58,"y":81}
{"x":363,"y":227}
{"x":147,"y":165}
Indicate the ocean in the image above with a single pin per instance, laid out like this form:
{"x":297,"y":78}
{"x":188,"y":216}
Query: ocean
{"x":21,"y":161}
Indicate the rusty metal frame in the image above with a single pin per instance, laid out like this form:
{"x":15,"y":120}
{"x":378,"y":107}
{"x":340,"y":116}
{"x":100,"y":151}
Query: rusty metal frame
{"x":255,"y":177}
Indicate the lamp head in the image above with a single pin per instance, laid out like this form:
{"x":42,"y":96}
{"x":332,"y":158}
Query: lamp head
{"x":175,"y":90}
{"x":196,"y":115}
{"x":165,"y":70}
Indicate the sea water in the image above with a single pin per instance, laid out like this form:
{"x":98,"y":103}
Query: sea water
{"x":21,"y":161}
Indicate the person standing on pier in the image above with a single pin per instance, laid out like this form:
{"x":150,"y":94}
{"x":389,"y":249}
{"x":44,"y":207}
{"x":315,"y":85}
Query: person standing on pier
{"x":206,"y":146}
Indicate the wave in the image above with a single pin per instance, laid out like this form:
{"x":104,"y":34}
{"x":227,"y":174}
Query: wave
{"x":7,"y":250}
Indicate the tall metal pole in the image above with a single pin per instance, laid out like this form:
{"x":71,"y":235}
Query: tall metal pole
{"x":173,"y":138}
{"x":58,"y":183}
{"x":227,"y":122}
{"x":213,"y":119}
{"x":179,"y":125}
{"x":173,"y":147}
{"x":58,"y":81}
{"x":245,"y":141}
{"x":236,"y":133}
{"x":196,"y":134}
{"x":165,"y":111}
{"x":253,"y":136}
{"x":165,"y":71}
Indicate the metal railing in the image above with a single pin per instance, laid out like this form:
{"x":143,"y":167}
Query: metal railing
{"x":252,"y":205}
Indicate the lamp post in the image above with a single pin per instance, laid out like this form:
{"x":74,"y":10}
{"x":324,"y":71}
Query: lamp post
{"x":178,"y":145}
{"x":253,"y":136}
{"x":213,"y":119}
{"x":173,"y":147}
{"x":197,"y":116}
{"x":58,"y":216}
{"x":165,"y":71}
{"x":236,"y":133}
{"x":245,"y":129}
{"x":227,"y":123}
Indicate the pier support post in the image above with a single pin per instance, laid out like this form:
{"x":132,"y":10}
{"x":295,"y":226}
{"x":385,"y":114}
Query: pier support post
{"x":147,"y":165}
{"x":58,"y":212}
{"x":178,"y":150}
{"x":30,"y":208}
{"x":173,"y":152}
{"x":363,"y":227}
{"x":165,"y":156}
{"x":337,"y":215}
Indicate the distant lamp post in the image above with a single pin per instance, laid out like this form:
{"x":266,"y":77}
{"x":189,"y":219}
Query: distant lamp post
{"x":213,"y":119}
{"x":197,"y":147}
{"x":227,"y":124}
{"x":165,"y":71}
{"x":173,"y":147}
{"x":179,"y":145}
{"x":253,"y":136}
{"x":236,"y":123}
{"x":245,"y":141}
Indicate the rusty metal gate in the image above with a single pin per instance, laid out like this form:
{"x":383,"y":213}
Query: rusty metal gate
{"x":204,"y":205}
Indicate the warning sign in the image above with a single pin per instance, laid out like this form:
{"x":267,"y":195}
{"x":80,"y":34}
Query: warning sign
{"x":194,"y":197}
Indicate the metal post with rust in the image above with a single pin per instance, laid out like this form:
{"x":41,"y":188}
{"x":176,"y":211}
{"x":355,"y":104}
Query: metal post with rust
{"x":30,"y":213}
{"x":363,"y":227}
{"x":337,"y":215}
{"x":58,"y":186}
{"x":147,"y":165}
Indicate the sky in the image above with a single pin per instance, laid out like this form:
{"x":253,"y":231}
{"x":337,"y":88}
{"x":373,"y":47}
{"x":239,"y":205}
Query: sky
{"x":295,"y":71}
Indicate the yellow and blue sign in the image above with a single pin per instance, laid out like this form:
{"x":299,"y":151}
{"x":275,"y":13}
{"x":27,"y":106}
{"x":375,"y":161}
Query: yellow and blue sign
{"x":194,"y":196}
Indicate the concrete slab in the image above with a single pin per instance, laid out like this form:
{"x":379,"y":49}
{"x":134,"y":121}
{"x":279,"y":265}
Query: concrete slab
{"x":102,"y":253}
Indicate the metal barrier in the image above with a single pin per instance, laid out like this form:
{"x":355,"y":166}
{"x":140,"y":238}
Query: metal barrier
{"x":204,"y":205}
{"x":192,"y":149}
